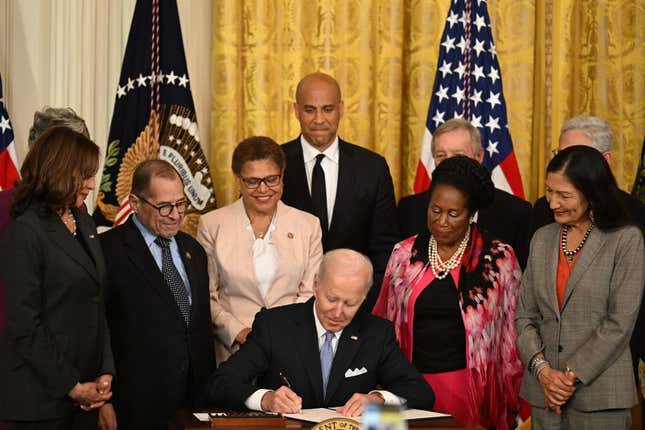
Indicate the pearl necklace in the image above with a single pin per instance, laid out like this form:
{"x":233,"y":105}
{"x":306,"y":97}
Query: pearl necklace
{"x":70,"y":222}
{"x":440,"y":269}
{"x":571,"y":254}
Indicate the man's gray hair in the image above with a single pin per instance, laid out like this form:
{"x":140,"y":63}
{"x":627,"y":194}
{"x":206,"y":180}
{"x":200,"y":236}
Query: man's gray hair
{"x":459,"y":124}
{"x":50,"y":117}
{"x":594,"y":128}
{"x":342,"y":261}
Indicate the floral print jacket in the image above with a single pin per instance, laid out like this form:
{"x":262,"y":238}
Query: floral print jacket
{"x":489,"y":282}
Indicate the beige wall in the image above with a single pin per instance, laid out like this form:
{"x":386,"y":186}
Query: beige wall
{"x":69,"y":53}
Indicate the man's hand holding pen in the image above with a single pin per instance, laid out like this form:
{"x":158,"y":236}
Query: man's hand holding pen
{"x":283,"y":400}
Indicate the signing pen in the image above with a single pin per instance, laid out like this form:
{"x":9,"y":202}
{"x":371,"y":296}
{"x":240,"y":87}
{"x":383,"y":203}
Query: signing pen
{"x":285,"y":380}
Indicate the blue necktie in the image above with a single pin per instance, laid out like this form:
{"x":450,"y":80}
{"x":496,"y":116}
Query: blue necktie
{"x":326,"y":358}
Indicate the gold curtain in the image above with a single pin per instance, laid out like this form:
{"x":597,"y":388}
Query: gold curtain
{"x":558,"y":58}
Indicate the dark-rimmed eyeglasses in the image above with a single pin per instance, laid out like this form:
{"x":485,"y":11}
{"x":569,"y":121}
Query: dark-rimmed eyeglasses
{"x":165,"y":209}
{"x":270,"y":181}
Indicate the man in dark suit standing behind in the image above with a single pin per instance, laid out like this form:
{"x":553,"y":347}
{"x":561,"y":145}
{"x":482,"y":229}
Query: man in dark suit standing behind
{"x":157,"y":305}
{"x":347,"y":187}
{"x":508,"y":218}
{"x":322,"y":353}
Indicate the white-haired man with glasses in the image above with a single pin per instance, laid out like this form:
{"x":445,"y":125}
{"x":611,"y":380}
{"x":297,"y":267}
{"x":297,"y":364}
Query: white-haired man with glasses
{"x":262,"y":253}
{"x":157,"y":305}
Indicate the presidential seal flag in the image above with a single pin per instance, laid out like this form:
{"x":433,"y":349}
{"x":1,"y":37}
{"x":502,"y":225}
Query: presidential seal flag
{"x":468,"y":85}
{"x":154,"y":117}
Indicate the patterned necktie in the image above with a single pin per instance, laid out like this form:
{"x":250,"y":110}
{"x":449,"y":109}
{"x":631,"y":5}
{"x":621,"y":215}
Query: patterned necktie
{"x":173,"y":279}
{"x":326,"y":358}
{"x":319,"y":193}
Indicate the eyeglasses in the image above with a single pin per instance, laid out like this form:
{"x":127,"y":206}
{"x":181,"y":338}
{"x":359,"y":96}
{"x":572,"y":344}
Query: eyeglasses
{"x":166,"y":208}
{"x":270,"y":181}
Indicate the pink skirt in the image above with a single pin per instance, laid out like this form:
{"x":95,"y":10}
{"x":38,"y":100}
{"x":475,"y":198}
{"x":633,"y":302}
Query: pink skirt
{"x":451,"y":395}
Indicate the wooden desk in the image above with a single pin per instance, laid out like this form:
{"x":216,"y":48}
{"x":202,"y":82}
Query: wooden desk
{"x":185,"y":420}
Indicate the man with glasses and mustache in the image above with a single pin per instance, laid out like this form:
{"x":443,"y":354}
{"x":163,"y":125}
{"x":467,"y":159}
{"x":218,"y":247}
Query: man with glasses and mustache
{"x":157,"y":305}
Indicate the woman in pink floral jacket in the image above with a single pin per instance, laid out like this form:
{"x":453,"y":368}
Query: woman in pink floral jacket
{"x":451,"y":293}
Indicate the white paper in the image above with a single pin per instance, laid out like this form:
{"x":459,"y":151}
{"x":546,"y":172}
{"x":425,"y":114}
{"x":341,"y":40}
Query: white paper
{"x":317,"y":415}
{"x":202,"y":416}
{"x":420,"y":414}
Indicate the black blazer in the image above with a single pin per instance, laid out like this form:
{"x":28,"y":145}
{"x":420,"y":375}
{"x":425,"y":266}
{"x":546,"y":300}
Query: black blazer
{"x":161,"y":365}
{"x":364,"y":217}
{"x":283,"y":339}
{"x":507,"y":219}
{"x":55,"y":333}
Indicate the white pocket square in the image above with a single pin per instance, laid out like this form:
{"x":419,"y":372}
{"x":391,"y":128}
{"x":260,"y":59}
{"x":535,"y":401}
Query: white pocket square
{"x":350,"y":373}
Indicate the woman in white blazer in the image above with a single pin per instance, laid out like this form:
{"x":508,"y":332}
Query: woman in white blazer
{"x":261,"y":252}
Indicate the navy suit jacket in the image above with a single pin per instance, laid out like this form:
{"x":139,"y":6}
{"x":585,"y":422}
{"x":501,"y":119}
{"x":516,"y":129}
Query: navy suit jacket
{"x":364,"y":217}
{"x":507,"y":219}
{"x":161,"y":365}
{"x":283,"y":340}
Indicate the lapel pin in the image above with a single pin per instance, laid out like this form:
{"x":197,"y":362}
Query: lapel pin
{"x":353,"y":337}
{"x":188,"y":256}
{"x":91,"y":236}
{"x":290,"y":235}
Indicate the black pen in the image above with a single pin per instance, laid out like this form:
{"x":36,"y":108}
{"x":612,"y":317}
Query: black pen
{"x":285,"y":380}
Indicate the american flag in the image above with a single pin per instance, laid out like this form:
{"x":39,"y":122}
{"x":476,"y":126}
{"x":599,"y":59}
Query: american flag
{"x":8,"y":160}
{"x":468,"y":84}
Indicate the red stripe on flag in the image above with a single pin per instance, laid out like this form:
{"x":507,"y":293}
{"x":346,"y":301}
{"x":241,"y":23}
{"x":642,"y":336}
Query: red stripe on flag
{"x":123,"y":213}
{"x":120,"y":220}
{"x":8,"y":171}
{"x":512,"y":172}
{"x":422,"y":178}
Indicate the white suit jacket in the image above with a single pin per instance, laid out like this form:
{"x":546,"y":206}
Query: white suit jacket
{"x":235,"y":297}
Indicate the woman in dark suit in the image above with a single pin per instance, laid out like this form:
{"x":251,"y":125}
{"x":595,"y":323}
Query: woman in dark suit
{"x":579,"y":300}
{"x":55,"y":360}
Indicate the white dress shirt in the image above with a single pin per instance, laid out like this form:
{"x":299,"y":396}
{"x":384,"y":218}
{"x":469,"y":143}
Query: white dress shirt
{"x":265,"y":258}
{"x":254,"y":401}
{"x":329,"y":165}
